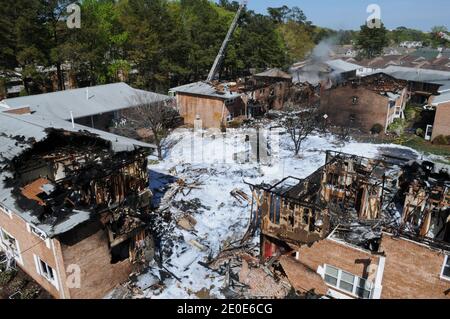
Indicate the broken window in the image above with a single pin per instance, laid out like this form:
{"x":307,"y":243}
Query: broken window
{"x":120,"y":252}
{"x":446,"y":268}
{"x":45,"y":270}
{"x":9,"y":242}
{"x":363,"y":289}
{"x":275,"y":209}
{"x":39,"y":233}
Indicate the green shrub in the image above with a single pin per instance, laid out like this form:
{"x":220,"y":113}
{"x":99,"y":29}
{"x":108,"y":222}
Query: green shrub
{"x":376,"y":129}
{"x":6,"y":277}
{"x":441,"y":140}
{"x":397,"y":127}
{"x":410,"y":113}
{"x":30,"y":293}
{"x":420,"y":132}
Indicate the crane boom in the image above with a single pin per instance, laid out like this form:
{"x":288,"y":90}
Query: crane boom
{"x":219,"y":59}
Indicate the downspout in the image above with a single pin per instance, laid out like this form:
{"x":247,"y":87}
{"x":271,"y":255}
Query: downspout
{"x":62,"y":286}
{"x":387,"y":120}
{"x":379,"y":279}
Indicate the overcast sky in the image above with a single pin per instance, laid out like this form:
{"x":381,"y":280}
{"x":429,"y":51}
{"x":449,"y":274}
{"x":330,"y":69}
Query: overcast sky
{"x":350,"y":14}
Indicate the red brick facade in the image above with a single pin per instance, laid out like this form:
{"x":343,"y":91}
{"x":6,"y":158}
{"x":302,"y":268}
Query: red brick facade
{"x":441,"y":124}
{"x":411,"y":270}
{"x":91,"y":255}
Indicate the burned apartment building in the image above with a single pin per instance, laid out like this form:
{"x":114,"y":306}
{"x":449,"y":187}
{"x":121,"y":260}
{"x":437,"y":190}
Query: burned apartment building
{"x":364,"y":103}
{"x":74,"y":204}
{"x":440,"y":105}
{"x":214,"y":104}
{"x":359,"y":228}
{"x":269,"y":90}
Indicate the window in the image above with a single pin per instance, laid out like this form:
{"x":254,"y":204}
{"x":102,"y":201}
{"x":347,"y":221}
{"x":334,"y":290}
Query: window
{"x":446,"y":268}
{"x":39,"y":233}
{"x":348,"y":282}
{"x":5,"y":210}
{"x":10,"y":243}
{"x":45,"y":270}
{"x":331,"y":275}
{"x":363,"y":289}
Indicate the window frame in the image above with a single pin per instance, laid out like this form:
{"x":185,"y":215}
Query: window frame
{"x":5,"y":210}
{"x":39,"y":234}
{"x":356,"y":285}
{"x":39,"y":263}
{"x":3,"y":244}
{"x":446,"y":264}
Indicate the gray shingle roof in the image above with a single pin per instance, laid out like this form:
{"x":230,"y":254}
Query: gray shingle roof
{"x":274,"y":73}
{"x":440,"y":99}
{"x":416,"y":75}
{"x":342,"y":66}
{"x":84,"y":102}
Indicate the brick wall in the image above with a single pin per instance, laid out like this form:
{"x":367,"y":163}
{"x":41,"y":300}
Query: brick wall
{"x":98,"y":275}
{"x":29,"y":245}
{"x":412,"y":271}
{"x":336,"y":254}
{"x":442,"y":121}
{"x":209,"y":109}
{"x":370,"y":109}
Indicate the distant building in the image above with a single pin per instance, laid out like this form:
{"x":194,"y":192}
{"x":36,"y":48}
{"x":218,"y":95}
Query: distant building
{"x":363,"y":103}
{"x":214,"y":104}
{"x":269,"y":90}
{"x":13,"y":84}
{"x":411,"y":44}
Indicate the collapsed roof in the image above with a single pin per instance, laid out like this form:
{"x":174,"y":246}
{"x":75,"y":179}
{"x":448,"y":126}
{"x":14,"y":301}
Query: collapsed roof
{"x":205,"y":89}
{"x":20,"y":133}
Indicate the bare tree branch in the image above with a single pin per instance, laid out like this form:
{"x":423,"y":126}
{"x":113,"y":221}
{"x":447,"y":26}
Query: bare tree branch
{"x":160,"y":117}
{"x":299,"y":124}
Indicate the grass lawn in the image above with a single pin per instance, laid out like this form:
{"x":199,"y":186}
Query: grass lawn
{"x":419,"y":144}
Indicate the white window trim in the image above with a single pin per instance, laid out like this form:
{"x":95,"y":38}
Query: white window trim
{"x":5,"y":210}
{"x":37,"y":262}
{"x":18,"y":258}
{"x":447,"y":257}
{"x":39,"y":234}
{"x":355,"y":283}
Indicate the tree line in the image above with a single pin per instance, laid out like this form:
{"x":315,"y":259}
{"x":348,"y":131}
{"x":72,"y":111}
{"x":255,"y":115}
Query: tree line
{"x":155,"y":44}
